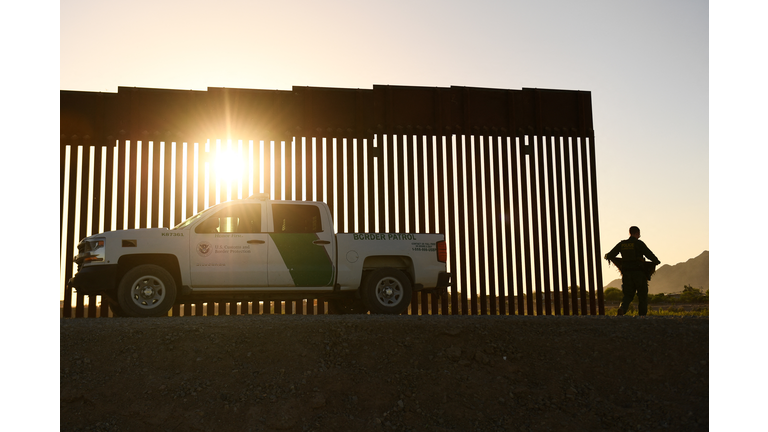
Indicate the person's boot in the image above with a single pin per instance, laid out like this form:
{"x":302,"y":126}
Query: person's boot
{"x":620,"y":312}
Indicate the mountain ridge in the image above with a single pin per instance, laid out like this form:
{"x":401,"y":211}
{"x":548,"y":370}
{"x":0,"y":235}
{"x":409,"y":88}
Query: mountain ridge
{"x":673,"y":278}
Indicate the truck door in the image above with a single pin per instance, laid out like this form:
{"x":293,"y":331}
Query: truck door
{"x":230,"y":249}
{"x":300,"y":248}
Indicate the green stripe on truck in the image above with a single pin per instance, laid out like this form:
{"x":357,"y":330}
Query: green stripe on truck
{"x":308,"y":264}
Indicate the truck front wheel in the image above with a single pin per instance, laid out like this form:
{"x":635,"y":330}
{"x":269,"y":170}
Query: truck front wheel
{"x":387,"y":291}
{"x":146,"y":291}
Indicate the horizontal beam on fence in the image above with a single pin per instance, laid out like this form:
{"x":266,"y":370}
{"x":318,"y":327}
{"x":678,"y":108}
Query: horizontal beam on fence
{"x":136,"y":113}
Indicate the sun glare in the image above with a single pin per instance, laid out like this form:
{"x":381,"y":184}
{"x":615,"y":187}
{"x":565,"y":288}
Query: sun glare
{"x":229,"y":166}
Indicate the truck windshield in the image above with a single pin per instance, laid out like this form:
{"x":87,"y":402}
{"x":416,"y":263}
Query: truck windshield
{"x":192,"y":218}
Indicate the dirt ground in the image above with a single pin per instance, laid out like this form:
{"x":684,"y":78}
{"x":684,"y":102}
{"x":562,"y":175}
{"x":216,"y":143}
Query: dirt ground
{"x":384,"y":373}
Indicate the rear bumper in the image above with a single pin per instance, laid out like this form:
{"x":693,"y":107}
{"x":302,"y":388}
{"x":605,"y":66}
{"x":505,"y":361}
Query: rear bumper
{"x":443,"y":282}
{"x":94,"y":279}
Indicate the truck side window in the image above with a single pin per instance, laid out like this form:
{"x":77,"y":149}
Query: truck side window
{"x":243,"y":218}
{"x":296,"y":218}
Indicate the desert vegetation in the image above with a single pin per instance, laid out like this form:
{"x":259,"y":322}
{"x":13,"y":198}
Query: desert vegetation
{"x":690,"y":302}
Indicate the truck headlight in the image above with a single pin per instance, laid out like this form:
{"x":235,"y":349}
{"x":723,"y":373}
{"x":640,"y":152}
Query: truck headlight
{"x":90,"y":250}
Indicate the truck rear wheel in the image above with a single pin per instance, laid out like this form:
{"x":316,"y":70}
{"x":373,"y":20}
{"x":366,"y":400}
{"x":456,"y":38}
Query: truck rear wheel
{"x":387,"y":291}
{"x":146,"y":291}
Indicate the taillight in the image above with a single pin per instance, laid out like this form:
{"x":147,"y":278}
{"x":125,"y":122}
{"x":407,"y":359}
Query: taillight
{"x":442,"y":251}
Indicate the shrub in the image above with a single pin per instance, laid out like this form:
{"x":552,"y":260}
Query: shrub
{"x":691,"y":294}
{"x":612,"y":294}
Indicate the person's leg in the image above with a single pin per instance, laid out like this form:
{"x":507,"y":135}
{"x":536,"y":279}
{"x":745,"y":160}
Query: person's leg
{"x":642,"y":295}
{"x":628,"y":288}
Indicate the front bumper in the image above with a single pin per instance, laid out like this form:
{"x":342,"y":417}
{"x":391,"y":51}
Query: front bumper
{"x":95,"y":279}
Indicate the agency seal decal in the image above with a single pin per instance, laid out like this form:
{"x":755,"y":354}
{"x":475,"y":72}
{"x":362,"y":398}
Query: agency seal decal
{"x":204,"y":249}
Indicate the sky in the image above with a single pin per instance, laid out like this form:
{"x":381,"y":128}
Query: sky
{"x":645,"y":64}
{"x":676,"y":88}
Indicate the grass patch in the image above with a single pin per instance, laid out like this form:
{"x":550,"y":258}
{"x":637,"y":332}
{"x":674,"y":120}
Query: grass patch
{"x":676,"y":311}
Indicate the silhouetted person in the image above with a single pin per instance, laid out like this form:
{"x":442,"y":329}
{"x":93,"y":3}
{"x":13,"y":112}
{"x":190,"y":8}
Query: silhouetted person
{"x":634,"y":278}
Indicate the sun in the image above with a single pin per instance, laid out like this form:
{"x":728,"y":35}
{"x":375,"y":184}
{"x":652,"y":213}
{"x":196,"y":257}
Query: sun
{"x":229,"y":166}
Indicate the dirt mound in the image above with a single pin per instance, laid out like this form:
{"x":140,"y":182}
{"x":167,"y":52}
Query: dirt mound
{"x":403,"y":373}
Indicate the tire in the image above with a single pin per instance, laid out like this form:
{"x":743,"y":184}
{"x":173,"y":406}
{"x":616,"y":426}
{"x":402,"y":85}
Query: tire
{"x":387,"y":291}
{"x":146,"y":291}
{"x":347,"y":306}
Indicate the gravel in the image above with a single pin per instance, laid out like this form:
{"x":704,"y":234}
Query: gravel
{"x":388,"y":373}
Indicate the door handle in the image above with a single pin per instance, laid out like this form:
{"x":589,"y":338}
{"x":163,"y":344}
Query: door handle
{"x":255,"y":242}
{"x":321,"y":242}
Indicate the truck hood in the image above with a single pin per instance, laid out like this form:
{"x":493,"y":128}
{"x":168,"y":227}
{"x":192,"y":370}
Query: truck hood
{"x":130,"y":234}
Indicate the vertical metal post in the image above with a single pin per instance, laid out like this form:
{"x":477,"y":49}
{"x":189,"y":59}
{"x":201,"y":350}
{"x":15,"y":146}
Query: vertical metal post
{"x":590,"y":277}
{"x":561,"y":147}
{"x":402,"y":145}
{"x":278,"y":171}
{"x":449,"y":227}
{"x":499,"y":292}
{"x":154,"y":222}
{"x":267,"y":170}
{"x":341,"y":145}
{"x":95,"y":212}
{"x":525,"y":157}
{"x":491,"y":226}
{"x":363,"y":208}
{"x":390,"y":170}
{"x":553,"y":229}
{"x":577,"y":182}
{"x":85,"y":171}
{"x":62,"y":187}
{"x":477,"y":225}
{"x":508,"y":292}
{"x":381,"y":199}
{"x":518,"y":159}
{"x":212,"y":175}
{"x":462,"y":267}
{"x":357,"y":211}
{"x":434,"y":189}
{"x":144,"y":194}
{"x":374,"y":154}
{"x":167,"y":181}
{"x":96,"y":201}
{"x":178,"y":182}
{"x":572,"y":286}
{"x":330,"y":174}
{"x":132,"y":162}
{"x":189,"y":165}
{"x":543,"y":155}
{"x":319,"y":173}
{"x":108,"y":184}
{"x":596,"y":227}
{"x":309,"y":179}
{"x":289,"y":161}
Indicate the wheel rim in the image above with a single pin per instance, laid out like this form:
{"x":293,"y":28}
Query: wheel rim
{"x":147,"y":292}
{"x":389,"y":291}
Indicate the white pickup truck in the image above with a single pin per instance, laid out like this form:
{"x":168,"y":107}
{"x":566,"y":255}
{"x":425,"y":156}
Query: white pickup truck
{"x":256,"y":249}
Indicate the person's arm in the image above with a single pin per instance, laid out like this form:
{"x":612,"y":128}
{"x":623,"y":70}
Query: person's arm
{"x":615,"y":251}
{"x":647,"y":252}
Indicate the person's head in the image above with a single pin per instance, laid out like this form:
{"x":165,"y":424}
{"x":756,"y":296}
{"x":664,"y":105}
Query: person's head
{"x":634,"y":231}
